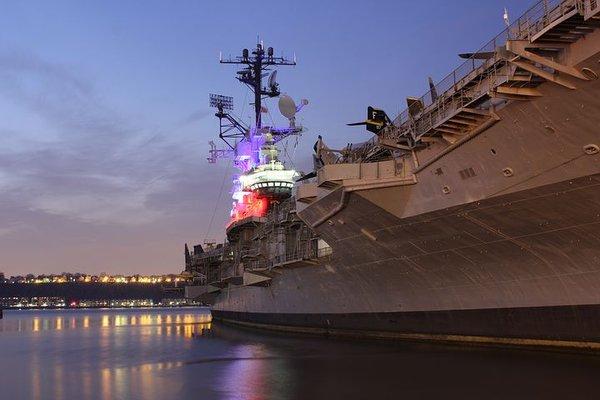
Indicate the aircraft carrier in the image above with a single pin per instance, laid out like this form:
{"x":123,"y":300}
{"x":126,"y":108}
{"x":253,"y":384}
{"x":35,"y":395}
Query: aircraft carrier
{"x":473,"y":215}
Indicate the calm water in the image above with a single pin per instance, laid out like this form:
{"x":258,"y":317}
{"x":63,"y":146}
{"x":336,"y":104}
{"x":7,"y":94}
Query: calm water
{"x":179,"y":354}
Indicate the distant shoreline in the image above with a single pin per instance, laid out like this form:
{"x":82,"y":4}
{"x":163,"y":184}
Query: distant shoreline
{"x":102,"y":308}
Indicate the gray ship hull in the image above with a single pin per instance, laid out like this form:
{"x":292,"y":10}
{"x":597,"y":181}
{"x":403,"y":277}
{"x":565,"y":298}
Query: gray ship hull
{"x":453,"y":274}
{"x":561,"y":326}
{"x":490,"y":235}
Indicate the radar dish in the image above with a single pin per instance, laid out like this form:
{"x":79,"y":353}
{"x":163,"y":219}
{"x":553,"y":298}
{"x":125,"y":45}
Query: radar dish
{"x":287,"y":107}
{"x":273,"y":79}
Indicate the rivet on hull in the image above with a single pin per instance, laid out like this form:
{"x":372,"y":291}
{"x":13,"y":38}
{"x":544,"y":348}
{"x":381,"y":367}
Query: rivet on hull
{"x":508,"y":172}
{"x":591,"y":149}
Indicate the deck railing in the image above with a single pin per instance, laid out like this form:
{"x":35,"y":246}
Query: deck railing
{"x":533,"y":21}
{"x":307,"y":252}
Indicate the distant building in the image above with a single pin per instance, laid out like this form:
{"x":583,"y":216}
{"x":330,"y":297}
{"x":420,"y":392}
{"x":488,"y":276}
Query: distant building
{"x":2,"y":279}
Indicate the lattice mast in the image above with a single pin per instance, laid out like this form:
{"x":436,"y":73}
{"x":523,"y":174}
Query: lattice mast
{"x":256,"y":65}
{"x":264,"y":179}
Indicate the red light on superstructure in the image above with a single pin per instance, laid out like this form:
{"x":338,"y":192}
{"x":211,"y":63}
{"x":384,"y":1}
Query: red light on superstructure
{"x":251,"y":205}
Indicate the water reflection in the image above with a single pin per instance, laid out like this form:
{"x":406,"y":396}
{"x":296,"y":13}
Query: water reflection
{"x":94,"y":354}
{"x":246,"y":375}
{"x":180,"y":323}
{"x":35,"y":377}
{"x":179,"y":353}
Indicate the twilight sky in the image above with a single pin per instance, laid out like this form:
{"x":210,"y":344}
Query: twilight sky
{"x":104,"y":121}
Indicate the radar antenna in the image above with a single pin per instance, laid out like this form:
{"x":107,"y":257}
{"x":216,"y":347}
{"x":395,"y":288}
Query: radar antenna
{"x":256,"y":64}
{"x":230,"y":129}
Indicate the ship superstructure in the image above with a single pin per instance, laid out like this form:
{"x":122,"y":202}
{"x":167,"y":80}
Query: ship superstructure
{"x":262,"y":192}
{"x":474,"y":215}
{"x":264,"y":179}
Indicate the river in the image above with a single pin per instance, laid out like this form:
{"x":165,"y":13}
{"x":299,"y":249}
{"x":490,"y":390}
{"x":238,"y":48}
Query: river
{"x":179,"y":354}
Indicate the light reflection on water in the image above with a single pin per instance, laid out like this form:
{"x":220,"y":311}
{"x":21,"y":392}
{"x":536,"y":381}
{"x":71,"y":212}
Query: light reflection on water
{"x":95,"y":354}
{"x":180,"y":353}
{"x":173,"y":324}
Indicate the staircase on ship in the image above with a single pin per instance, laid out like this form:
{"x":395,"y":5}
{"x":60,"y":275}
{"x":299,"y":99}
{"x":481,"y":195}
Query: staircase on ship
{"x":511,"y":66}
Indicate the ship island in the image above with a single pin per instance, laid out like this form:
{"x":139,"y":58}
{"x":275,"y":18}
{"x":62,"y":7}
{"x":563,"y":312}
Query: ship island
{"x":473,"y":216}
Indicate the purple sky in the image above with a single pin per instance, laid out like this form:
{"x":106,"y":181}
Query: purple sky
{"x":104,"y":120}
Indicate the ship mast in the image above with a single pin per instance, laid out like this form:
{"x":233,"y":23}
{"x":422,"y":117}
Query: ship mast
{"x":264,"y":179}
{"x":256,"y":64}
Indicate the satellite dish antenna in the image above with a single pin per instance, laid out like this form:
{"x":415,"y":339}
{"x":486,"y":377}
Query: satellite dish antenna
{"x":273,"y":79}
{"x":287,"y":107}
{"x":303,"y":103}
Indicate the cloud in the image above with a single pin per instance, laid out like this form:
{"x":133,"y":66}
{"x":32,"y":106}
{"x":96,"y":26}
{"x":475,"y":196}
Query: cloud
{"x":86,"y":187}
{"x":98,"y":167}
{"x":195,"y":116}
{"x":117,"y":208}
{"x":6,"y":231}
{"x":10,"y":227}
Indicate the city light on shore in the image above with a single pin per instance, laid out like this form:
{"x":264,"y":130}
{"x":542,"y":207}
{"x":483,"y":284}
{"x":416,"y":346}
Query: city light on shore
{"x":101,"y":278}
